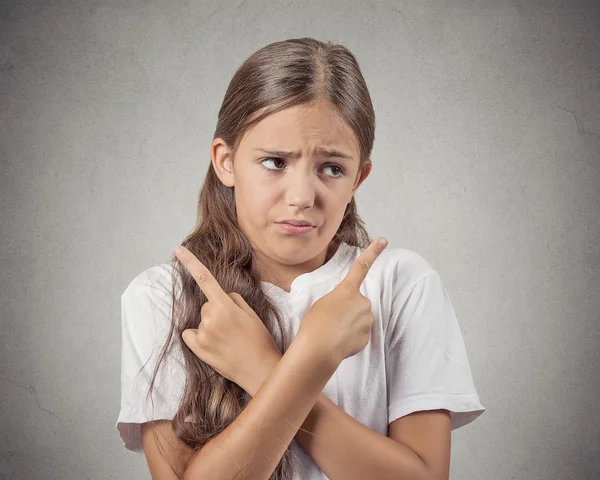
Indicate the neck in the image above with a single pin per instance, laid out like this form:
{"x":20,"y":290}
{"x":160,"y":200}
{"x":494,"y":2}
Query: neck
{"x":283,"y":275}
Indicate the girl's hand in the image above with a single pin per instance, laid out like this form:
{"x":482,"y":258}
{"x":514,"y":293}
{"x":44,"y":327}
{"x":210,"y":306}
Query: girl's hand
{"x":231,"y":338}
{"x":340,"y":322}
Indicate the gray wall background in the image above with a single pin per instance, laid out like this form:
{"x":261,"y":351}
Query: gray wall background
{"x":486,"y":162}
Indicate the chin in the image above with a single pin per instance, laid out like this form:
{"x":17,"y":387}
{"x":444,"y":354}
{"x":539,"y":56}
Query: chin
{"x":294,"y":250}
{"x":294,"y":254}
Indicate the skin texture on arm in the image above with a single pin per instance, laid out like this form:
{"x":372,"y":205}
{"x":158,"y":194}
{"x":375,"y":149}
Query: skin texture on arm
{"x":251,"y":447}
{"x":341,"y":446}
{"x":418,"y":446}
{"x":166,"y":455}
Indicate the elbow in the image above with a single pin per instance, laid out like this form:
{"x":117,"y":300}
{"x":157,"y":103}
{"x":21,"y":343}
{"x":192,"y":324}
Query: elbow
{"x":430,"y":474}
{"x":197,"y":467}
{"x":193,"y":470}
{"x":192,"y":474}
{"x":188,"y":475}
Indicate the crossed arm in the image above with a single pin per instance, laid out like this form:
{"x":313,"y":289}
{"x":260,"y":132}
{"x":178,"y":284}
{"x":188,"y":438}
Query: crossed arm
{"x":287,"y":401}
{"x":418,"y":445}
{"x":289,"y":405}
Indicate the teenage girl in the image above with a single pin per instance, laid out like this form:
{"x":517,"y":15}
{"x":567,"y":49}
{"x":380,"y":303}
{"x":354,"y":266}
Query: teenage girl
{"x":280,"y":341}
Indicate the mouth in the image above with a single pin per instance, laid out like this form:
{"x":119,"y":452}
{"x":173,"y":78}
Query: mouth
{"x":297,"y":223}
{"x":297,"y":228}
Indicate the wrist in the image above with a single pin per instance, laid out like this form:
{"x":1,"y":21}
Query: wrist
{"x":320,"y":349}
{"x":262,"y":372}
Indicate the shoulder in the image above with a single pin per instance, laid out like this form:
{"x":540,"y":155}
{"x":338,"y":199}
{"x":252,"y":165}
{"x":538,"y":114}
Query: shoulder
{"x":400,"y":268}
{"x":156,"y":279}
{"x":392,"y":280}
{"x":148,"y":296}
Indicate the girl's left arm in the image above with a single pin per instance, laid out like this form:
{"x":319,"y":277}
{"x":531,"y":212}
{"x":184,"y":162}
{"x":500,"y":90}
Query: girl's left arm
{"x":418,"y":446}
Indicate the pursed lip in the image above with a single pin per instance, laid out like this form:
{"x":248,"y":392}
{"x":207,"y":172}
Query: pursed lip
{"x":300,"y":223}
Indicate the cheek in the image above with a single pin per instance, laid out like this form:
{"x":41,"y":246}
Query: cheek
{"x":334,"y":210}
{"x":253,"y":204}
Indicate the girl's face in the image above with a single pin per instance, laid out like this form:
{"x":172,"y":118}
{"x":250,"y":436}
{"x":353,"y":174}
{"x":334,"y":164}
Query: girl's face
{"x":299,"y":164}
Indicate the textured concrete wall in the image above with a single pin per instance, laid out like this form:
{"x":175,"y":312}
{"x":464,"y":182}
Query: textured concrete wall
{"x":486,"y":162}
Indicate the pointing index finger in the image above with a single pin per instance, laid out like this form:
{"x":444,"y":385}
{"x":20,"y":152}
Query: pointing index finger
{"x":360,"y":268}
{"x":205,"y":280}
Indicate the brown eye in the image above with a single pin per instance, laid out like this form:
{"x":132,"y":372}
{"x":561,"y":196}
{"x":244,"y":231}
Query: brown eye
{"x":279,"y":163}
{"x":338,"y":171}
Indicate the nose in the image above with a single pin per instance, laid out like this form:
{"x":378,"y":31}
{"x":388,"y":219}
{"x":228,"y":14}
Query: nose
{"x":300,"y":191}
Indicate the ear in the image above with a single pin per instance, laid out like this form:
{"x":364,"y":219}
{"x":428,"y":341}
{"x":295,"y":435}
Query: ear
{"x":361,"y":175}
{"x":222,"y":161}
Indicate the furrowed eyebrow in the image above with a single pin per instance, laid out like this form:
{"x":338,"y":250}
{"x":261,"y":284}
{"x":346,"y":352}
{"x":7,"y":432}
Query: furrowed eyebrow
{"x":322,"y":151}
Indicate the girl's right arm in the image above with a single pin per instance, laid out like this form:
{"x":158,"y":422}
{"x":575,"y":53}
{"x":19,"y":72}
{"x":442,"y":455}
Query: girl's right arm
{"x":252,"y":446}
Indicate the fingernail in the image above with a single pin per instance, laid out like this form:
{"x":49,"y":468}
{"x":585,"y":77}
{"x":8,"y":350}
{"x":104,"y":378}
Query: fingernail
{"x":179,"y":250}
{"x":383,"y":242}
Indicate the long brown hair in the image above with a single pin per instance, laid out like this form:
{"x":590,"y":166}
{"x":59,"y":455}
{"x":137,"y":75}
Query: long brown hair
{"x":278,"y":76}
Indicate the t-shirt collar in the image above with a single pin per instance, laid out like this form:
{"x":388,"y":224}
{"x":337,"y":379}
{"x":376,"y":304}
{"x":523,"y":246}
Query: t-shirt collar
{"x":326,"y":271}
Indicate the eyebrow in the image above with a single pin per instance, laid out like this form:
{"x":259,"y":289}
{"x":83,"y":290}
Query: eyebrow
{"x":323,"y":151}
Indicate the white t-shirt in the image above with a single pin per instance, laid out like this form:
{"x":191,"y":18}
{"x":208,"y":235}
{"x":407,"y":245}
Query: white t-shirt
{"x":415,"y":359}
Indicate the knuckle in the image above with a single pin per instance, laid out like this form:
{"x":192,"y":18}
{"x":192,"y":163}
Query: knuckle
{"x":207,"y":321}
{"x":362,"y":265}
{"x":221,"y":310}
{"x":201,"y":277}
{"x":201,"y":338}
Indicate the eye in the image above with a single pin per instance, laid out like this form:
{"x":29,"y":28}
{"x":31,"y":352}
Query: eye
{"x":271,"y":159}
{"x":336,"y":168}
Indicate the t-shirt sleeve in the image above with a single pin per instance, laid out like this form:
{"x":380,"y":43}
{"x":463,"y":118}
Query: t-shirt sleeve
{"x":145,"y":321}
{"x":426,"y":359}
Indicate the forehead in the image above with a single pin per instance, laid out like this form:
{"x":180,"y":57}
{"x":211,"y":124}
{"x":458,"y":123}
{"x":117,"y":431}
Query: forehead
{"x":302,"y":127}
